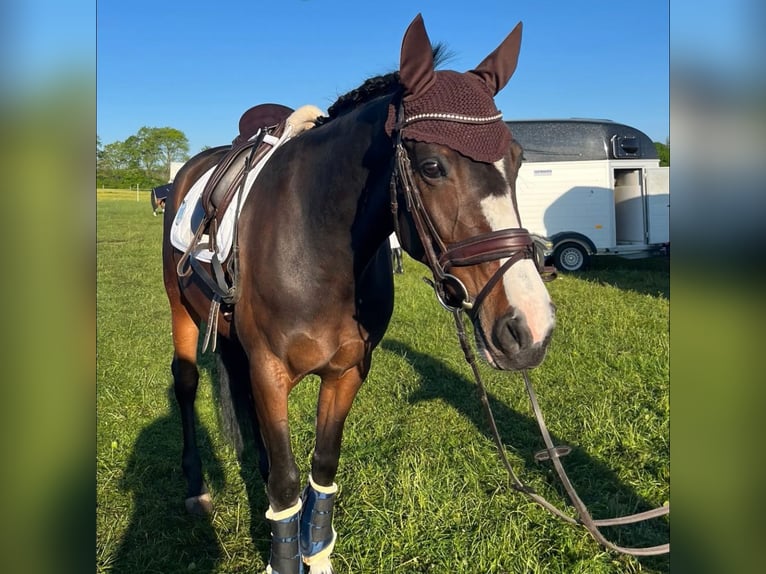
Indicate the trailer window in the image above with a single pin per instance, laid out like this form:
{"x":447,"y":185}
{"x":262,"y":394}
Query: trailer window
{"x":625,"y":146}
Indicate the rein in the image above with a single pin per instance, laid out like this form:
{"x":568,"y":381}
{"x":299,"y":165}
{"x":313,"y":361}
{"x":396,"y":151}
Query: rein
{"x":554,"y":453}
{"x":515,"y":245}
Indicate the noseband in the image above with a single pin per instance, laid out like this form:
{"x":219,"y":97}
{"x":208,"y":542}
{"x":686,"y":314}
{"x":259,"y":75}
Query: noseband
{"x":513,"y":244}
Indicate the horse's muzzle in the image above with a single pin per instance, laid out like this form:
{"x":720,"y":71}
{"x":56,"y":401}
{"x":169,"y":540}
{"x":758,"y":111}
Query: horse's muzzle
{"x":510,"y":345}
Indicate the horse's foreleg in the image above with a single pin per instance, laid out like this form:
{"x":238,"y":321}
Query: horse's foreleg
{"x":317,"y":534}
{"x":185,"y":380}
{"x":270,"y":389}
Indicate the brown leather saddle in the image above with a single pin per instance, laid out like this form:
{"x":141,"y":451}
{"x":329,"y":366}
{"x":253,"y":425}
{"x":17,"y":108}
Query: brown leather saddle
{"x":259,"y":129}
{"x":246,"y":151}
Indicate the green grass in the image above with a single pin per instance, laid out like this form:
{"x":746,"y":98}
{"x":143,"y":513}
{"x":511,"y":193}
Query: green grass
{"x":421,"y":486}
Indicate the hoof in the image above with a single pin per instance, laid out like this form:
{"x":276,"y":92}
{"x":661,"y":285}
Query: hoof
{"x":199,"y":504}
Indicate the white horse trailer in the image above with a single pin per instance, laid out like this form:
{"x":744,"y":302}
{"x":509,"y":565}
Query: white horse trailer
{"x":591,"y":187}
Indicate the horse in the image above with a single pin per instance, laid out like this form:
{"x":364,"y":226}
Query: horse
{"x":158,"y":197}
{"x":420,"y":152}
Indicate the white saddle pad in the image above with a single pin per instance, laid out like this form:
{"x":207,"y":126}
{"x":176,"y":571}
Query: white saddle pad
{"x":191,"y":213}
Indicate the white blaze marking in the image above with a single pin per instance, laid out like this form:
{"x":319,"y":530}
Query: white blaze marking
{"x":523,"y":286}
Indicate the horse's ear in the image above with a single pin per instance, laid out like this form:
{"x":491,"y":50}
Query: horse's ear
{"x":416,"y":67}
{"x":497,"y":68}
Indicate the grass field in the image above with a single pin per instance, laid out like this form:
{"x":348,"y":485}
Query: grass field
{"x":421,"y":486}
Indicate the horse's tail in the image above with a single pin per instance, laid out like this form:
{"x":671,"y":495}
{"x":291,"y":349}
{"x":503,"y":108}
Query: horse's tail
{"x":237,"y":415}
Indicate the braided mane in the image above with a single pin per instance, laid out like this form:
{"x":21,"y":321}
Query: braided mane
{"x":386,"y":84}
{"x":369,"y":90}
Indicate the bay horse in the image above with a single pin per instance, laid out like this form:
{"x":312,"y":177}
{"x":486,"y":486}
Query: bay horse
{"x":421,"y":152}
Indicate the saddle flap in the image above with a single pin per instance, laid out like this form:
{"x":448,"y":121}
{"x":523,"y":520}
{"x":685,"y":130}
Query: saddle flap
{"x":161,"y":192}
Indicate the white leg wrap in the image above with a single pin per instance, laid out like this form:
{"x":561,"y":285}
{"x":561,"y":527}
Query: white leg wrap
{"x":317,"y":494}
{"x":201,"y":504}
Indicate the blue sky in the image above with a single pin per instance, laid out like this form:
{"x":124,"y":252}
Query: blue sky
{"x":197,"y":67}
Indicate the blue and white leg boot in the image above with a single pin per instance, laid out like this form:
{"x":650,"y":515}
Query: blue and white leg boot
{"x":317,"y":534}
{"x":285,"y":545}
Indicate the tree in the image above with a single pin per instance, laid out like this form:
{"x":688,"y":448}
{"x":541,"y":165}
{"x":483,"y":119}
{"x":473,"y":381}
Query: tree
{"x":158,"y":147}
{"x":142,"y":159}
{"x":663,"y":152}
{"x":173,"y":146}
{"x":145,"y":147}
{"x":118,"y":166}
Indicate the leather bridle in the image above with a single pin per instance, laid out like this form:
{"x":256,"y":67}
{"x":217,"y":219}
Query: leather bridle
{"x":515,"y":245}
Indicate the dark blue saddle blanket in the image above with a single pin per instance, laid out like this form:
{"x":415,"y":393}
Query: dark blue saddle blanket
{"x":161,"y":192}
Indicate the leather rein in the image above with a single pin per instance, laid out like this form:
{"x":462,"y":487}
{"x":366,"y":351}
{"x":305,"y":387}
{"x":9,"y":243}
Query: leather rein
{"x":515,"y":245}
{"x":554,"y":453}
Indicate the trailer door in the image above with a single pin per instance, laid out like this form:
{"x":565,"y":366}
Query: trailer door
{"x":629,"y":208}
{"x":658,"y":204}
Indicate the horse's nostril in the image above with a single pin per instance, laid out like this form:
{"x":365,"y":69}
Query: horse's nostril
{"x":510,"y":326}
{"x":512,"y":333}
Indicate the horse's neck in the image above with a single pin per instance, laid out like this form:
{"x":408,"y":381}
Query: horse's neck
{"x":339,"y":184}
{"x":372,"y":151}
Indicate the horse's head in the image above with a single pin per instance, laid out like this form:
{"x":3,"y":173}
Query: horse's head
{"x":457,"y":167}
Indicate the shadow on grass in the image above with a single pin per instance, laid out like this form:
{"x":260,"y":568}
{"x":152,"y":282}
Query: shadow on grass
{"x":650,"y":276}
{"x":598,"y":486}
{"x":161,"y":535}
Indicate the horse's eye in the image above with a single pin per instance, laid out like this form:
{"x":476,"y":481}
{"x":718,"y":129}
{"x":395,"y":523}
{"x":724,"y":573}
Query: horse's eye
{"x":431,"y":169}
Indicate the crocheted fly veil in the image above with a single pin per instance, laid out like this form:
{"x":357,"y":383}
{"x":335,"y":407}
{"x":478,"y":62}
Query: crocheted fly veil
{"x":454,"y":109}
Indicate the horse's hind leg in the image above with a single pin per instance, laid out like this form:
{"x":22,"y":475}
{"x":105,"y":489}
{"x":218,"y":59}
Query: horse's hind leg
{"x":185,"y":381}
{"x":317,"y":534}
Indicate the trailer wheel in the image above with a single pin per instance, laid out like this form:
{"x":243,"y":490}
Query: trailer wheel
{"x":570,"y":256}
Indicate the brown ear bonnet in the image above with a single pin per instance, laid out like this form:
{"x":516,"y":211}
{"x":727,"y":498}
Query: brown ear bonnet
{"x":454,"y":109}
